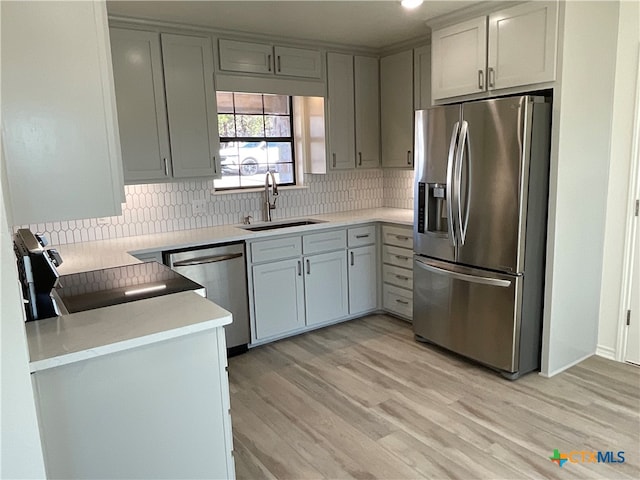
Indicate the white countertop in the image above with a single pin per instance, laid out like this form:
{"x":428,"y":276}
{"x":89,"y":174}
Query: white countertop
{"x":85,"y":256}
{"x":80,"y":336}
{"x":83,"y":335}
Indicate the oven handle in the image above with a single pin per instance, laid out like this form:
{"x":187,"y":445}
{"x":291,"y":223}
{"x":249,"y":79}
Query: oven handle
{"x":210,"y":259}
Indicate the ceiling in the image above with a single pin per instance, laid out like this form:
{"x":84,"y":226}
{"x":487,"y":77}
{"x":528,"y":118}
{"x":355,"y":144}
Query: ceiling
{"x":372,"y":23}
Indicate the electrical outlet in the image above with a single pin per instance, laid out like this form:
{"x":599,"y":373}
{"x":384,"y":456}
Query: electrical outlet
{"x":199,"y":207}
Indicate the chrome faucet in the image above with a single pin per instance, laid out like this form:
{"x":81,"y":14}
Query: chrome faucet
{"x":268,"y":204}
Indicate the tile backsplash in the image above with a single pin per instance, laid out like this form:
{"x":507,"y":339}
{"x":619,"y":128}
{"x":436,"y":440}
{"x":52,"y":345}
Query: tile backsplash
{"x":166,"y":207}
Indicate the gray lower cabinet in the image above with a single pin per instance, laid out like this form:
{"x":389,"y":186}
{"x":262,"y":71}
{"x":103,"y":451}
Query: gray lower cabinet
{"x":363,"y":279}
{"x":326,"y":290}
{"x":278,"y":297}
{"x":166,"y":105}
{"x":303,"y":281}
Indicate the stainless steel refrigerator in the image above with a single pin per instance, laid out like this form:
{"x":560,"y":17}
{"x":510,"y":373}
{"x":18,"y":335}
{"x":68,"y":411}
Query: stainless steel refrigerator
{"x":481,"y":190}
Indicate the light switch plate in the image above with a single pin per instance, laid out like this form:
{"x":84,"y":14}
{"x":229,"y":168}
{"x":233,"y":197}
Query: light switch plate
{"x":199,"y":207}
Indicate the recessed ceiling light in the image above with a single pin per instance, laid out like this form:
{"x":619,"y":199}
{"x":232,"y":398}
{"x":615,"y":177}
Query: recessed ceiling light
{"x":410,"y":4}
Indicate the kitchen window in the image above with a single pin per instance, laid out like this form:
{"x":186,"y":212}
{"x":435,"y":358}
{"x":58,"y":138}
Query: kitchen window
{"x":256,"y":136}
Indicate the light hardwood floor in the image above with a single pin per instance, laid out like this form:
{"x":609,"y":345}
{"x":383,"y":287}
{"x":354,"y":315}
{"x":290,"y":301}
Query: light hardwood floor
{"x":362,"y":399}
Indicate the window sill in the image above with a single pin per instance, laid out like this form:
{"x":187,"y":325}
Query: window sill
{"x":256,"y":190}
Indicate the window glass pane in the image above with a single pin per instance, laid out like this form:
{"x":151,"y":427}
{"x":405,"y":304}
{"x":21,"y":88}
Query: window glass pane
{"x":278,"y":152}
{"x":277,"y":126}
{"x":226,"y":125}
{"x":250,"y":126}
{"x":246,"y":151}
{"x":278,"y":104}
{"x":248,"y":103}
{"x":284,"y":173}
{"x":225,"y":102}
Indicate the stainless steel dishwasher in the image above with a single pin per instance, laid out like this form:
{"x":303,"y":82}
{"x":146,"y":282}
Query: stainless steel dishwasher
{"x":222,"y":271}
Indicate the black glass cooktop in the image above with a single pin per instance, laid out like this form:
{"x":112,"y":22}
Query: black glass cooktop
{"x":111,"y":286}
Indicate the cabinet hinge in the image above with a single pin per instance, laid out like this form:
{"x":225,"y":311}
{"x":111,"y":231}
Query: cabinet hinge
{"x":628,"y":317}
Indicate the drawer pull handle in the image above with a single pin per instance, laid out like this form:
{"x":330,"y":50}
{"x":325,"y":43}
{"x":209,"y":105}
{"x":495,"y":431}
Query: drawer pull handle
{"x":353,"y":262}
{"x":299,"y":268}
{"x":402,"y":277}
{"x":402,"y":302}
{"x":402,"y":237}
{"x":362,"y":236}
{"x":402,"y":257}
{"x":308,"y":267}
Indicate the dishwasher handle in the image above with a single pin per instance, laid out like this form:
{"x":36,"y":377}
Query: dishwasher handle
{"x":209,"y":259}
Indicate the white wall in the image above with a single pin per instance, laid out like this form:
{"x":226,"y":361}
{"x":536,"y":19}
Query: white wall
{"x":20,"y":449}
{"x":619,"y":175}
{"x":578,"y":182}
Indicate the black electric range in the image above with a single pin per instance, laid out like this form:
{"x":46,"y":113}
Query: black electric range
{"x":79,"y":292}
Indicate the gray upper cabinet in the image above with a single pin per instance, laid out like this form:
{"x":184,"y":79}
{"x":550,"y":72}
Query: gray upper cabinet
{"x":367,"y":111}
{"x":191,"y":106}
{"x":422,"y":77}
{"x":142,"y":115}
{"x":340,"y":106}
{"x":396,"y":109}
{"x":268,"y":59}
{"x":61,"y":148}
{"x":166,"y":105}
{"x":513,"y":47}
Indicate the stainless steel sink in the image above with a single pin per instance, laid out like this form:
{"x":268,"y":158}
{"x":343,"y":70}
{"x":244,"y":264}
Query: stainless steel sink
{"x":274,"y":226}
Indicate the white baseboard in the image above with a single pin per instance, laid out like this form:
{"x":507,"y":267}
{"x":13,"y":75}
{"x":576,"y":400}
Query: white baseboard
{"x":606,"y":352}
{"x":562,"y":369}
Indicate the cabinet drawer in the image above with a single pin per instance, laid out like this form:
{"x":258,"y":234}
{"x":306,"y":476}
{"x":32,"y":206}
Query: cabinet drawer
{"x":276,"y":249}
{"x":401,"y":237}
{"x":400,"y":257}
{"x":400,"y":277}
{"x":360,"y":236}
{"x":324,"y":241}
{"x":397,"y":300}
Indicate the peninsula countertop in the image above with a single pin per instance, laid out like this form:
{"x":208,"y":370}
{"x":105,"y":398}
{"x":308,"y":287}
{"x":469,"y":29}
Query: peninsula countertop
{"x":80,"y":336}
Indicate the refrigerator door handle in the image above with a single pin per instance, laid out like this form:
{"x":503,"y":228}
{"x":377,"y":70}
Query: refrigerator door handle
{"x":450,"y":183}
{"x":463,"y":156}
{"x":495,"y":282}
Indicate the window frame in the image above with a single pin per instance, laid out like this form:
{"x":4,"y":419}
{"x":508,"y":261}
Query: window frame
{"x":267,"y":140}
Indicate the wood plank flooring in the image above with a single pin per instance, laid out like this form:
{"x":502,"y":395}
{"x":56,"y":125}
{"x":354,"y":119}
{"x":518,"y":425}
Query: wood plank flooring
{"x":362,"y":399}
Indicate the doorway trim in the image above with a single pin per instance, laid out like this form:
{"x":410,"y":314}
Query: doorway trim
{"x":630,"y":228}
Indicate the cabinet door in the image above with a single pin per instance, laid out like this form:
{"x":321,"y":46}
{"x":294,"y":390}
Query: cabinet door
{"x":326,"y":287}
{"x":191,"y":106}
{"x":422,"y":77}
{"x":341,"y":111}
{"x":298,"y":62}
{"x":522,"y":45}
{"x":278,"y":297}
{"x":367,"y":111}
{"x":363,"y":280}
{"x":142,"y":115}
{"x":459,"y":58}
{"x":396,"y":109}
{"x":59,"y":122}
{"x":246,"y":57}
